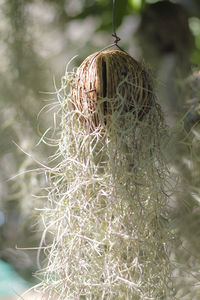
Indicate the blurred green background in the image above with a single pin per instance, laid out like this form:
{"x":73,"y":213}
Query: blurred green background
{"x":38,"y":38}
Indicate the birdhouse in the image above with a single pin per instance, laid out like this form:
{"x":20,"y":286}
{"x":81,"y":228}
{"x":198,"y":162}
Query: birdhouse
{"x":108,"y":81}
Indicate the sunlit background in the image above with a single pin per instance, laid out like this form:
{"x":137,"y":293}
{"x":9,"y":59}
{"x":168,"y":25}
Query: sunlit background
{"x":38,"y":39}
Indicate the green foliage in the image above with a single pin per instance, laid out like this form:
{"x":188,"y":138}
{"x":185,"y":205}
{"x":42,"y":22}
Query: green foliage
{"x":194,"y":24}
{"x":136,"y":4}
{"x":121,"y":11}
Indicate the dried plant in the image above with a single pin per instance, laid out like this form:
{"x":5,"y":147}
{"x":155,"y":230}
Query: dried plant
{"x":107,"y":206}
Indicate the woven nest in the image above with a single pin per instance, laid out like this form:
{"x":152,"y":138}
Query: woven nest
{"x":111,"y":80}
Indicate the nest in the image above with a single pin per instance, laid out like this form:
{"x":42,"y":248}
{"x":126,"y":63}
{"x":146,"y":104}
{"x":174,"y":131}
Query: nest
{"x":107,"y":193}
{"x":112,"y":75}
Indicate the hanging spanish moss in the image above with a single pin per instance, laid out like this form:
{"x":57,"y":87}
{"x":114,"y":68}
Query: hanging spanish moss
{"x":107,"y":196}
{"x":186,"y":213}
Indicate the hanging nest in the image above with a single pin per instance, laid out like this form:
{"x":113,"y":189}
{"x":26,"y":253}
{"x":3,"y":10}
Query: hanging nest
{"x":107,"y":193}
{"x":108,"y":81}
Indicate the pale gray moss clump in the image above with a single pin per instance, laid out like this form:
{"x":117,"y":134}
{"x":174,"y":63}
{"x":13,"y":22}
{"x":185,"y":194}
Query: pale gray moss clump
{"x":107,"y":206}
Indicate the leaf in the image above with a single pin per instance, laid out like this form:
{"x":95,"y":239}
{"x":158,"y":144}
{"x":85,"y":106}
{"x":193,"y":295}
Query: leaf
{"x":120,"y":11}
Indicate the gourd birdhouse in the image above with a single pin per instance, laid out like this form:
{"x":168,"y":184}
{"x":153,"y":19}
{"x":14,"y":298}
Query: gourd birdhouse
{"x":107,"y":77}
